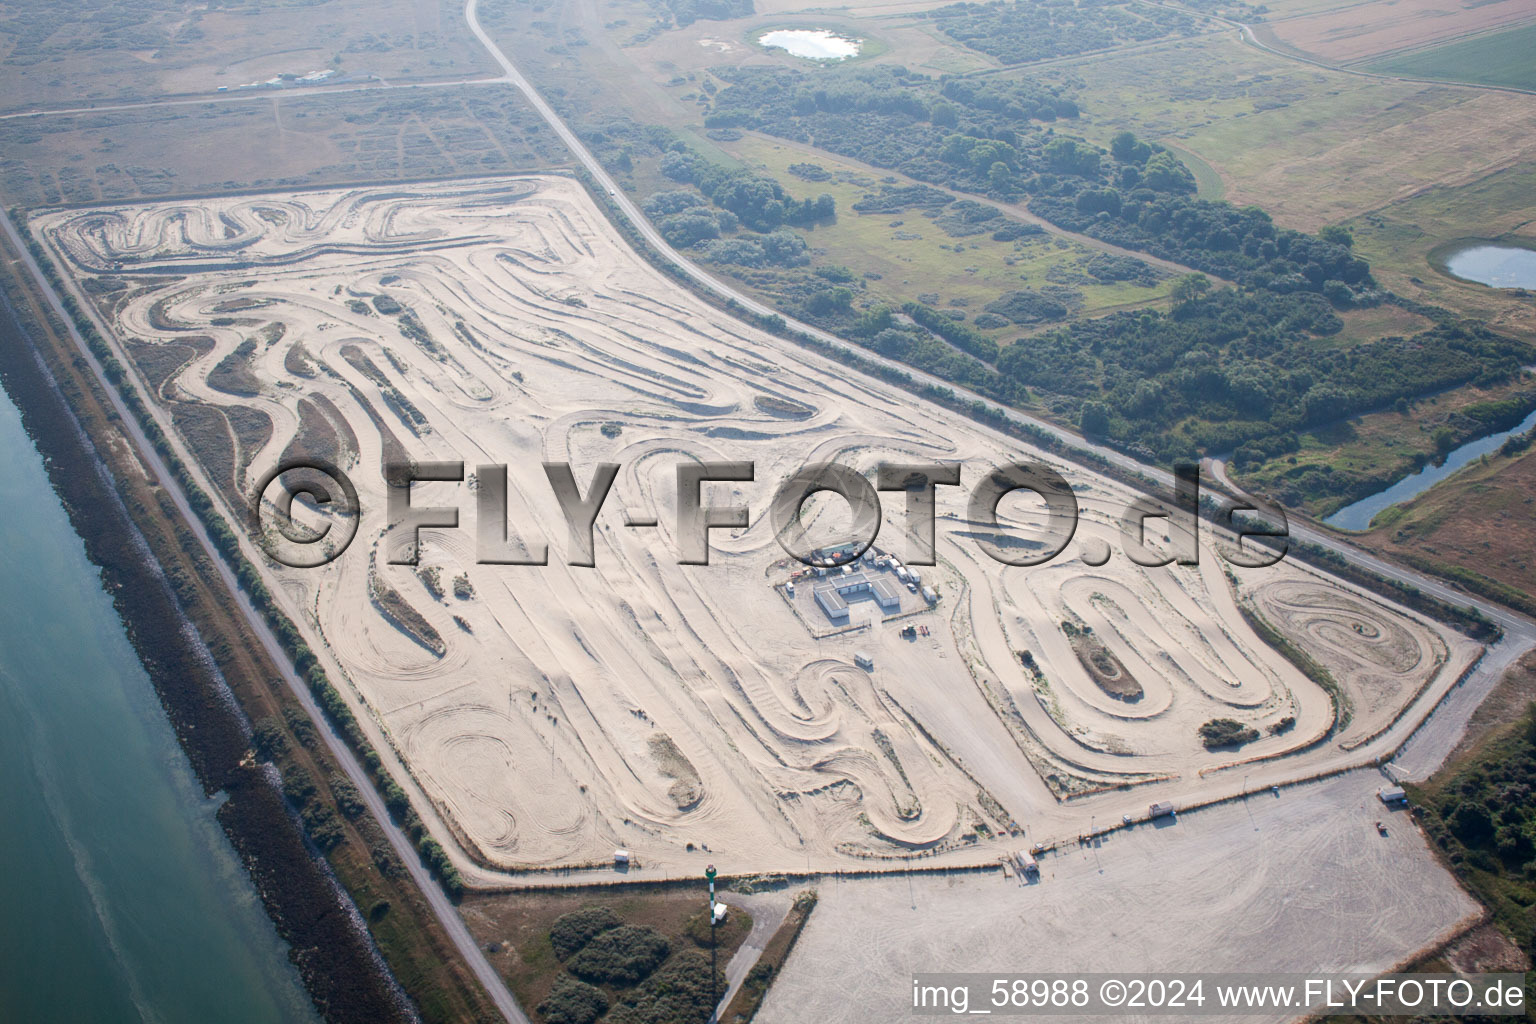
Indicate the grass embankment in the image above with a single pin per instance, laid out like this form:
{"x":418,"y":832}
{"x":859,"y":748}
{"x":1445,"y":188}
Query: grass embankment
{"x":1473,"y":529}
{"x":334,"y":959}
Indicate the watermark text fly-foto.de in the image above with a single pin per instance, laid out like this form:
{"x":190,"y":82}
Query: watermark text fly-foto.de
{"x":326,"y":489}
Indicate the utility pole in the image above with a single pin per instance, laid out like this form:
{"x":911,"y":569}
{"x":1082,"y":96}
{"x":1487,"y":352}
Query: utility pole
{"x":714,"y":998}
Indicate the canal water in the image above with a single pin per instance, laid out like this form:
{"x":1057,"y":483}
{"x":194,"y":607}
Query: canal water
{"x":1359,"y":515}
{"x":122,"y":899}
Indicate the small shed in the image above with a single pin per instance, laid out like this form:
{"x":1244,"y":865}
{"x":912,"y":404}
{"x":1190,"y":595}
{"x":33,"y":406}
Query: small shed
{"x":1392,"y":795}
{"x":1027,"y":862}
{"x":620,"y":858}
{"x":863,"y":660}
{"x":1161,"y":809}
{"x":720,"y":911}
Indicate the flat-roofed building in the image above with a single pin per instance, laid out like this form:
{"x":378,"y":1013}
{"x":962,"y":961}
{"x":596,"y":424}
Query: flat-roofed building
{"x":834,"y":594}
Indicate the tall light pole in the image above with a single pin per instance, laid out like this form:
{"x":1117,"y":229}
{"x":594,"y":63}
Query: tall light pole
{"x":714,"y":1009}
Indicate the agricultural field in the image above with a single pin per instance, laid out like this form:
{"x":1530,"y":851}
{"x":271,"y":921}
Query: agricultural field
{"x":1501,"y":58}
{"x":1382,"y":31}
{"x":690,"y":713}
{"x":1303,"y":143}
{"x":81,"y":54}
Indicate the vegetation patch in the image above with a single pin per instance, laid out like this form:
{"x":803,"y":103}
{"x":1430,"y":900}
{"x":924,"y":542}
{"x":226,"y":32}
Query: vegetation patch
{"x":1102,"y":665}
{"x":233,"y":374}
{"x":1022,"y":33}
{"x":783,"y":408}
{"x":686,"y":789}
{"x":402,"y":614}
{"x":1478,"y":813}
{"x":572,"y":931}
{"x":620,"y":957}
{"x":1226,"y":732}
{"x":556,"y":948}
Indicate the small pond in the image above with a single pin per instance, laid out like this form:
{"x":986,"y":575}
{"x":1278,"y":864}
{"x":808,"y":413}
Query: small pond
{"x":1497,"y":266}
{"x":812,"y":43}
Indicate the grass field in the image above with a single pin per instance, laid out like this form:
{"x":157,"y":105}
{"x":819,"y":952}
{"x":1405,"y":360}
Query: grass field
{"x":914,"y":255}
{"x":1398,"y":238}
{"x":1304,"y":143}
{"x":1503,"y":59}
{"x":898,"y":35}
{"x":1479,"y":521}
{"x":514,"y":927}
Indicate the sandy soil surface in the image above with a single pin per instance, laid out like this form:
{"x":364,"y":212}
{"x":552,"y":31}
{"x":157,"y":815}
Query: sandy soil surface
{"x":549,"y":714}
{"x":1204,"y":894}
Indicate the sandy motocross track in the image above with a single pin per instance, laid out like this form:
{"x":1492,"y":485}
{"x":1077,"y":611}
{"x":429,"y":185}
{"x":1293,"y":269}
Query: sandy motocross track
{"x":549,"y":714}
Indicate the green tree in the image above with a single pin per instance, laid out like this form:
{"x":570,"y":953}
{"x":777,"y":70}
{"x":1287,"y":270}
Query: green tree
{"x":1338,"y":234}
{"x":1187,"y":289}
{"x":1127,"y":149}
{"x":1094,"y":421}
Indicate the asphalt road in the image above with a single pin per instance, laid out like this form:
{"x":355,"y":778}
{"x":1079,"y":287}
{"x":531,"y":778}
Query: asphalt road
{"x":768,"y":910}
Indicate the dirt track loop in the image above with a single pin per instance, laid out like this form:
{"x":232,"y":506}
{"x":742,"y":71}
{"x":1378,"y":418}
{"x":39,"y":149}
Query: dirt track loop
{"x":549,"y":714}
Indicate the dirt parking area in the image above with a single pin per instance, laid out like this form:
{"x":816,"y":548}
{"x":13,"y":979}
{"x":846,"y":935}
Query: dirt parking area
{"x":1299,"y":882}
